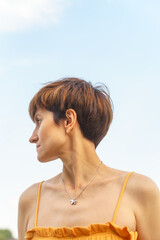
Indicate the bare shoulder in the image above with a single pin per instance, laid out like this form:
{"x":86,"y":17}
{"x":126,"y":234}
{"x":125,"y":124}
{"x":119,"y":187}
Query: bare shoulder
{"x":146,"y":200}
{"x":26,"y":202}
{"x":143,"y":187}
{"x":28,"y":196}
{"x":27,"y":205}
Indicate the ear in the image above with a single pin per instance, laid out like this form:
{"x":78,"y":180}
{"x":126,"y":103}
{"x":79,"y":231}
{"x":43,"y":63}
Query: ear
{"x":71,"y":118}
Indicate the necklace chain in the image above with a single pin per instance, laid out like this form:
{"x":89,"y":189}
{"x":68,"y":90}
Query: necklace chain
{"x":73,"y":200}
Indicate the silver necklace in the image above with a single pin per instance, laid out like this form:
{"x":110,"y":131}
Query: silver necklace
{"x":73,"y":201}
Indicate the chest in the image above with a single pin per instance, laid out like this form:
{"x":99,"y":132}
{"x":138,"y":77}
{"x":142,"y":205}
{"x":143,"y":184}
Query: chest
{"x":93,"y":206}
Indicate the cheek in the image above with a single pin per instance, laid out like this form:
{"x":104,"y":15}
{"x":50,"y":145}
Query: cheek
{"x":52,"y":144}
{"x":52,"y":136}
{"x":41,"y":134}
{"x":57,"y":137}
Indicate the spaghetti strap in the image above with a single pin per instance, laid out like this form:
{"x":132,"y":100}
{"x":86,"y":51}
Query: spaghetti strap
{"x":38,"y":198}
{"x":120,"y":197}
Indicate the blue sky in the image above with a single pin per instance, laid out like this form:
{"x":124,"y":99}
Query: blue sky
{"x":114,"y":42}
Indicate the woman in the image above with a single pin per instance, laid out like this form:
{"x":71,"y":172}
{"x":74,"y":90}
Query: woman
{"x":87,"y":200}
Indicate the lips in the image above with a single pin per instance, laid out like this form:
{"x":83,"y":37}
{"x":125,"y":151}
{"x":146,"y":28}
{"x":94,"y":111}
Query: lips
{"x":37,"y":146}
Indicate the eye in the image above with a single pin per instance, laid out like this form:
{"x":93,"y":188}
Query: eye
{"x":38,"y":121}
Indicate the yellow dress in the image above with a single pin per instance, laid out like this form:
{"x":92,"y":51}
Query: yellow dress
{"x":98,"y":231}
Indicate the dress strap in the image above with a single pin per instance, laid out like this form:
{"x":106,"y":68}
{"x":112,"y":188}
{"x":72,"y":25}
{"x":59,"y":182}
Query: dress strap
{"x":120,"y":197}
{"x":38,"y":198}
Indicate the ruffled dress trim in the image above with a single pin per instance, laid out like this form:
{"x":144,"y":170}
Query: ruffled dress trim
{"x":78,"y":231}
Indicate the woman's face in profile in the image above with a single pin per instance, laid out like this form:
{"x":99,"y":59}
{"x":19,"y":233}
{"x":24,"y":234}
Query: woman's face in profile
{"x":48,"y":136}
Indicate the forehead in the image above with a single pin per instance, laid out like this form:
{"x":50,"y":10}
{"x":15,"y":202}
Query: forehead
{"x":39,"y":111}
{"x":42,"y":112}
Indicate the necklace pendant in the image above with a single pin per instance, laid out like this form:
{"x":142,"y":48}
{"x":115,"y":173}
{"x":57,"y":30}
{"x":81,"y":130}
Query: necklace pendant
{"x":73,"y":202}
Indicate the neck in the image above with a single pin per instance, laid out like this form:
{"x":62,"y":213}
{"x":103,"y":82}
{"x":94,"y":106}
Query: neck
{"x":80,"y":164}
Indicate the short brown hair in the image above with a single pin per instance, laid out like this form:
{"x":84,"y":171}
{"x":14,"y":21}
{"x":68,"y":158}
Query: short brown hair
{"x":92,"y":105}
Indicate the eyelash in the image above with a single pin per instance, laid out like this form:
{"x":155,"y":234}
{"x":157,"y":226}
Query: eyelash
{"x":38,"y":121}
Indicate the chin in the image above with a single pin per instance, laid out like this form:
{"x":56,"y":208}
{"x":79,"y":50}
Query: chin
{"x":44,"y":159}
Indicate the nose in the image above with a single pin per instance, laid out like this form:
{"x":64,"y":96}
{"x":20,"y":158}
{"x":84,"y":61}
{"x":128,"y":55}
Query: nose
{"x":33,"y":138}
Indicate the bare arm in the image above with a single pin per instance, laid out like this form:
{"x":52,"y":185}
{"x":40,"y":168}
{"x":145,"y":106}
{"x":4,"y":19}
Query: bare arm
{"x":148,"y":209}
{"x":22,"y":216}
{"x":26,"y":207}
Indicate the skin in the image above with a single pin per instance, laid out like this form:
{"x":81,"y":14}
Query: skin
{"x":140,"y":205}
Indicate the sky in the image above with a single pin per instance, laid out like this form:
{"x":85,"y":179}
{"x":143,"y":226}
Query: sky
{"x":109,"y":41}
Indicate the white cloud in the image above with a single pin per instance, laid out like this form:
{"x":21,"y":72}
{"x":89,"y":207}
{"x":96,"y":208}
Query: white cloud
{"x":17,"y":15}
